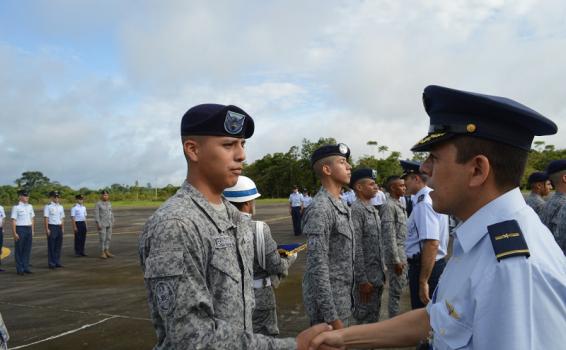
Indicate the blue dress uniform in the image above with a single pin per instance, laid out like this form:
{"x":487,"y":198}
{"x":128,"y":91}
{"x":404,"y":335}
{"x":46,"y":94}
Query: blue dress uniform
{"x":505,"y":285}
{"x":54,"y":215}
{"x":23,"y":215}
{"x":296,"y":203}
{"x":78,"y":213}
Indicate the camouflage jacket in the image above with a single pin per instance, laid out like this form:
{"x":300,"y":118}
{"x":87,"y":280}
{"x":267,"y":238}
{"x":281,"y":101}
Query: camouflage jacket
{"x":536,"y":202}
{"x":369,"y":265}
{"x":198,"y":267}
{"x":560,"y":235}
{"x":394,"y":231}
{"x":103,"y":213}
{"x":549,"y":215}
{"x":329,"y":272}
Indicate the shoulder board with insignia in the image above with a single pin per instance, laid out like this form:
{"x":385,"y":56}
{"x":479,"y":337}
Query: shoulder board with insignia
{"x":507,"y":240}
{"x":421,"y":198}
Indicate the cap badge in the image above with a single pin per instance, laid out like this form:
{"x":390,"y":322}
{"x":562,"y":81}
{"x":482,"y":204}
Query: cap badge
{"x":234,"y":122}
{"x":373,"y":174}
{"x":471,"y":127}
{"x":342,"y":148}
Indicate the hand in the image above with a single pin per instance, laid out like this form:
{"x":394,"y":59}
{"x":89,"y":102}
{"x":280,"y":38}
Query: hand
{"x":327,"y":340}
{"x":75,"y":230}
{"x":48,"y":232}
{"x":98,"y":227}
{"x":336,"y":324}
{"x":305,"y":337}
{"x":423,"y":292}
{"x":16,"y":237}
{"x":399,"y":269}
{"x":366,"y":289}
{"x":291,"y":258}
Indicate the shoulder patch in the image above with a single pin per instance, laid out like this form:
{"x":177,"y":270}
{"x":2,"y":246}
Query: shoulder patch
{"x":165,"y":297}
{"x":507,"y":240}
{"x":421,"y":198}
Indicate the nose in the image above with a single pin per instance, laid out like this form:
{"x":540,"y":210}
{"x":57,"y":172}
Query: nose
{"x":240,"y":153}
{"x":426,"y":167}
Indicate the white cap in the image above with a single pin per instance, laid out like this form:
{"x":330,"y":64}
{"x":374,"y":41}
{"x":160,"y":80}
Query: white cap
{"x":244,"y":190}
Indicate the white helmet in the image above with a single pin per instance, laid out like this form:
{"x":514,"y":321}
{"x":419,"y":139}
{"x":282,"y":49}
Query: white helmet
{"x":243,"y":191}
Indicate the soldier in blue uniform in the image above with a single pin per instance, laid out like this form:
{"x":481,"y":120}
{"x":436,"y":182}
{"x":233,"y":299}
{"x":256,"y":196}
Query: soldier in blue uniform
{"x":53,"y":215}
{"x":295,"y":209}
{"x":505,"y":285}
{"x":23,"y":225}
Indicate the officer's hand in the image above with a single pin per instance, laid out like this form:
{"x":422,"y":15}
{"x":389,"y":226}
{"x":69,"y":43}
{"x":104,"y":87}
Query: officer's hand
{"x":399,"y":269}
{"x":306,"y":336}
{"x":16,"y":237}
{"x":48,"y":233}
{"x":423,"y":293}
{"x":75,"y":230}
{"x":337,"y":324}
{"x":327,"y":340}
{"x":291,"y":258}
{"x":366,"y":289}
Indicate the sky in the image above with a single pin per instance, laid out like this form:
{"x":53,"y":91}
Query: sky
{"x":92,"y":92}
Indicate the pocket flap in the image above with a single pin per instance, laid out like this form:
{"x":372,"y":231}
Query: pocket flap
{"x":447,"y":329}
{"x":164,"y":263}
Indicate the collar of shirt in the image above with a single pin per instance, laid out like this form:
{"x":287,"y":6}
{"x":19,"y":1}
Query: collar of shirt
{"x":220,"y":223}
{"x":340,"y":206}
{"x":425,"y":190}
{"x":471,"y":231}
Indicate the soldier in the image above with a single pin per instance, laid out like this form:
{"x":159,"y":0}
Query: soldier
{"x":427,"y":239}
{"x":53,"y":215}
{"x":506,"y":274}
{"x":295,"y":209}
{"x":329,"y":272}
{"x":195,"y":251}
{"x":2,"y":216}
{"x":104,"y":220}
{"x":4,"y":336}
{"x":556,"y":171}
{"x":369,"y":269}
{"x":307,"y":199}
{"x":267,"y":261}
{"x":540,"y":187}
{"x":22,"y":229}
{"x":78,"y":216}
{"x":394,"y":232}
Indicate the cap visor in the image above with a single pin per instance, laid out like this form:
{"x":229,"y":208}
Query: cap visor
{"x":427,"y":142}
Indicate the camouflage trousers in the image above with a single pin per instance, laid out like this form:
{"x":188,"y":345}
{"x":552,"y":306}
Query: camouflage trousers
{"x":368,"y":313}
{"x":264,"y":317}
{"x":396,"y":285}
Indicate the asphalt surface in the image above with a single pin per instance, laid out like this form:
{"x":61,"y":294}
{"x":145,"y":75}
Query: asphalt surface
{"x":93,"y":303}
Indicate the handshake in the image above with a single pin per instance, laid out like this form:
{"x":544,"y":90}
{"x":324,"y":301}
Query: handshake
{"x":321,"y":336}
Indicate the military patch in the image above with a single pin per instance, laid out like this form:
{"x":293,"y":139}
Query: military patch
{"x":165,"y":297}
{"x":507,"y":240}
{"x":223,"y":242}
{"x":421,"y":198}
{"x":234,"y":122}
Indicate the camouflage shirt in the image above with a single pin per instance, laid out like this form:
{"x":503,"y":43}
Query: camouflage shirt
{"x":329,"y":272}
{"x":198,"y":267}
{"x":103,"y":213}
{"x":549,"y":215}
{"x":536,"y":202}
{"x":560,"y":235}
{"x":369,"y":265}
{"x":394,"y":231}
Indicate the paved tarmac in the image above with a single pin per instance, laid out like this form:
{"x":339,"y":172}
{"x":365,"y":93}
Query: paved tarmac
{"x":92,"y":303}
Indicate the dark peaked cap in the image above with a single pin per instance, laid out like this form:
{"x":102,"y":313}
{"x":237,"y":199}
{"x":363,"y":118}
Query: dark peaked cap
{"x":454,"y":112}
{"x":217,"y":120}
{"x":410,"y":167}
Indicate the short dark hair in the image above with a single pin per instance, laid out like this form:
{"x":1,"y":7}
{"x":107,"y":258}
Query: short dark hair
{"x":390,"y":180}
{"x":508,"y":162}
{"x":238,"y":205}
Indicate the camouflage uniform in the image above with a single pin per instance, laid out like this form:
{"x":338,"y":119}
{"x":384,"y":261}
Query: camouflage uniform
{"x":549,"y":215}
{"x":4,"y":336}
{"x":536,"y":202}
{"x":394,"y":232}
{"x":198,"y":265}
{"x":329,"y":272}
{"x":560,"y":235}
{"x":104,"y":218}
{"x":369,"y":265}
{"x":264,"y":315}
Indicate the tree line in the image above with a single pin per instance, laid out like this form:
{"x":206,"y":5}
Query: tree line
{"x":274,"y":174}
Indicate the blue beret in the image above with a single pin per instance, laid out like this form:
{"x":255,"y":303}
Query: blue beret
{"x":454,"y":112}
{"x":556,"y":166}
{"x":410,"y":167}
{"x":364,"y":173}
{"x":537,"y":176}
{"x":330,"y":150}
{"x":24,"y":193}
{"x":217,"y":120}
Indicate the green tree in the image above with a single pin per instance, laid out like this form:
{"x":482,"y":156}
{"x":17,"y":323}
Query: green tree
{"x":31,"y":180}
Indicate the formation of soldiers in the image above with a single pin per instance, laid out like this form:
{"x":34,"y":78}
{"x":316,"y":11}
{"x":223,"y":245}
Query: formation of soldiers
{"x":23,"y":228}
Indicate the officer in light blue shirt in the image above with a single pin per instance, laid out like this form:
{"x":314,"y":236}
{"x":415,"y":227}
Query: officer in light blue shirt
{"x":53,"y":215}
{"x":505,"y":284}
{"x":22,"y":230}
{"x":295,"y":209}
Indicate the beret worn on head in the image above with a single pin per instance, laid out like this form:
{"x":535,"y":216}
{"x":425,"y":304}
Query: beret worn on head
{"x":330,"y":150}
{"x":454,"y":112}
{"x":537,"y":176}
{"x":217,"y":120}
{"x":556,"y":166}
{"x":364,"y":173}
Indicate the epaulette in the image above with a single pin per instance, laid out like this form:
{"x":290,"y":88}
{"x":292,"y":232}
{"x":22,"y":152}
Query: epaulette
{"x":421,"y":198}
{"x":507,"y":239}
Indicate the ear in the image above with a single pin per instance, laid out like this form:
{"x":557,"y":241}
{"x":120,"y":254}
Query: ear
{"x":326,"y":169}
{"x":480,"y":170}
{"x":191,"y":149}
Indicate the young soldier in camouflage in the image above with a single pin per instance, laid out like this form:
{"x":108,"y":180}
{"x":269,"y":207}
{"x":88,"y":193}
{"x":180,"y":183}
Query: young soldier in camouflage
{"x":394,"y":232}
{"x":540,"y":187}
{"x":369,"y":268}
{"x":556,"y":171}
{"x":329,"y":273}
{"x":196,"y":254}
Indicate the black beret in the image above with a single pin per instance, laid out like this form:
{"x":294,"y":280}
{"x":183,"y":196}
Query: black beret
{"x":410,"y":167}
{"x":537,"y":176}
{"x":24,"y":193}
{"x":454,"y":112}
{"x":364,"y":173}
{"x":556,"y":166}
{"x":79,"y":196}
{"x":54,"y":194}
{"x":217,"y":120}
{"x":330,"y":150}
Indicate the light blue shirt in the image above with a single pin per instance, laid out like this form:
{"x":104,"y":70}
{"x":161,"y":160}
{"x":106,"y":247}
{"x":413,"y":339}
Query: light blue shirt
{"x":425,"y":223}
{"x":516,"y":303}
{"x":296,"y":199}
{"x":23,"y":214}
{"x":78,"y":212}
{"x":54,"y":213}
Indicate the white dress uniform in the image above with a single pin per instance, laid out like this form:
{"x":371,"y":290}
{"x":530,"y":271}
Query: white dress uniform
{"x":509,"y":294}
{"x":379,"y":199}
